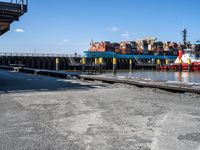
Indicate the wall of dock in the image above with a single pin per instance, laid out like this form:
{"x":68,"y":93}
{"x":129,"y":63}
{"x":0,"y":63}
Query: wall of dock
{"x":70,"y":62}
{"x":41,"y":62}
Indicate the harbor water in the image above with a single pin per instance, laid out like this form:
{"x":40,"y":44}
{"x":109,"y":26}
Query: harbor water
{"x":185,"y":77}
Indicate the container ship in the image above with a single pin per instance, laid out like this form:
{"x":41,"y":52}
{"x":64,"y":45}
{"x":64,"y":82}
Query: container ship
{"x":143,"y":52}
{"x":146,"y":46}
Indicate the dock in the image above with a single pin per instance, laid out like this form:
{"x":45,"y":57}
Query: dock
{"x":172,"y":87}
{"x":168,"y":86}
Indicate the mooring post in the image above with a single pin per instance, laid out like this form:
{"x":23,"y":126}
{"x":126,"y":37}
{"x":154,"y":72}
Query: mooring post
{"x":130,"y":65}
{"x":158,"y":64}
{"x":95,"y":64}
{"x":167,"y":64}
{"x":83,"y":64}
{"x":57,"y":64}
{"x":189,"y":65}
{"x":180,"y":65}
{"x":114,"y":65}
{"x":100,"y":65}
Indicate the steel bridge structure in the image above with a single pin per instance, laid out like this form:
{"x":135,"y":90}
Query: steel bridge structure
{"x":11,"y":11}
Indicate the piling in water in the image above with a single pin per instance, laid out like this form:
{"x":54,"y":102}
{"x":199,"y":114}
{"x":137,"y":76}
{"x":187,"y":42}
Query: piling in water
{"x":158,"y":62}
{"x":96,"y":61}
{"x":57,"y":64}
{"x":96,"y":64}
{"x":100,"y":65}
{"x":130,"y":65}
{"x":180,"y":65}
{"x":167,"y":64}
{"x":189,"y":65}
{"x":114,"y":65}
{"x":83,"y":64}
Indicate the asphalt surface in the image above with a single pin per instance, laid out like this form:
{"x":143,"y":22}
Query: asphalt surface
{"x":39,"y":112}
{"x":19,"y":82}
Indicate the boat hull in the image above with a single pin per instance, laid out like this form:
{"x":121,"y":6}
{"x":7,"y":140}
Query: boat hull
{"x":194,"y":66}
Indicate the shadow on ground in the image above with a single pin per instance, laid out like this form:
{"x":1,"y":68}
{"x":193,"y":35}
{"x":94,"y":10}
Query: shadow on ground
{"x":19,"y":82}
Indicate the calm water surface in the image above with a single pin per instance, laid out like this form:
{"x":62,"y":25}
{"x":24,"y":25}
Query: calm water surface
{"x":193,"y":77}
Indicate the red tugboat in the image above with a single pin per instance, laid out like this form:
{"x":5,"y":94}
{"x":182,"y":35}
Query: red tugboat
{"x":186,"y":58}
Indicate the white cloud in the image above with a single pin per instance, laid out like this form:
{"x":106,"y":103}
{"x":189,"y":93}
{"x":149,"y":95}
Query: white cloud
{"x":144,"y":34}
{"x":19,"y":30}
{"x":62,"y":42}
{"x":65,"y":40}
{"x":125,"y":35}
{"x":113,"y":29}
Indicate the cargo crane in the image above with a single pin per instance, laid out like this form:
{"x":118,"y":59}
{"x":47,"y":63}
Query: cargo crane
{"x":10,"y":12}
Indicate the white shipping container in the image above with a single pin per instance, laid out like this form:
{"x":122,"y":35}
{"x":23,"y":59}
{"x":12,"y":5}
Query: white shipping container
{"x":149,"y":47}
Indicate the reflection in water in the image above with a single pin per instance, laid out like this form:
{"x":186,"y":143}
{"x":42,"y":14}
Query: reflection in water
{"x":179,"y":75}
{"x":187,"y":77}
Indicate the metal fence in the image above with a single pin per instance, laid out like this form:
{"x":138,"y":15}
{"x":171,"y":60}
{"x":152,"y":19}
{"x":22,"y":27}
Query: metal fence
{"x":38,"y":55}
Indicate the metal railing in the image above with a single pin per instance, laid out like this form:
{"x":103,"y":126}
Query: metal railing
{"x":23,"y":2}
{"x":38,"y":55}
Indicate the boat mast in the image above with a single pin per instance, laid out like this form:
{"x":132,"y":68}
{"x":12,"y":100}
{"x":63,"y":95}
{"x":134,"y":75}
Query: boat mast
{"x":184,"y":32}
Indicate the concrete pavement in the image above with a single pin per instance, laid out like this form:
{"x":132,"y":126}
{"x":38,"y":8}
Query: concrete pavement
{"x":38,"y":112}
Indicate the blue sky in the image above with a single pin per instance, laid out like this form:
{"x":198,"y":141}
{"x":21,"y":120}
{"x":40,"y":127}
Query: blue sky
{"x":68,"y":26}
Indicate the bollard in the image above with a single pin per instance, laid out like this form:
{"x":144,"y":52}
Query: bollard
{"x":189,"y":65}
{"x":158,"y":64}
{"x":130,"y":65}
{"x":96,"y":61}
{"x":57,"y":64}
{"x":114,"y":65}
{"x":167,"y":64}
{"x":100,"y":65}
{"x":83,"y":64}
{"x":95,"y":64}
{"x":180,"y":65}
